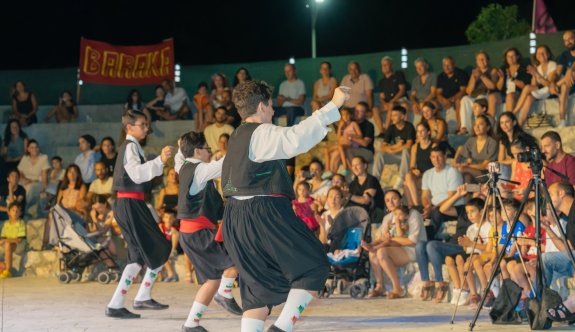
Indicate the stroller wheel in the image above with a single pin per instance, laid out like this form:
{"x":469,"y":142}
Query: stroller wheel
{"x":114,"y":277}
{"x":75,"y":276}
{"x":65,"y":277}
{"x":104,"y":278}
{"x":358,"y":290}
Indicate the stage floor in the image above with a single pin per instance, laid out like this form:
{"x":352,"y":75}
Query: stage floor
{"x":40,"y":304}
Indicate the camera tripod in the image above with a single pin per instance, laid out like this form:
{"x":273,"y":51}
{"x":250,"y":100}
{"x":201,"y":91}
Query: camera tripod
{"x":537,"y":185}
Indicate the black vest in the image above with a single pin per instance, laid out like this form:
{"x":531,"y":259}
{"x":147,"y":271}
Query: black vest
{"x":243,"y":177}
{"x":122,"y":181}
{"x":207,"y":202}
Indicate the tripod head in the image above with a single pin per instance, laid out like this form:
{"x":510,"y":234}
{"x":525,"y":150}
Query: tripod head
{"x":534,"y":158}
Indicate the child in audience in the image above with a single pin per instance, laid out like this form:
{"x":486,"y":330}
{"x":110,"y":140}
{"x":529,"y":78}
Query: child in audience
{"x":399,"y":226}
{"x":101,"y":221}
{"x":171,"y":233}
{"x":509,"y":211}
{"x":304,"y":206}
{"x":12,"y":237}
{"x":204,"y":108}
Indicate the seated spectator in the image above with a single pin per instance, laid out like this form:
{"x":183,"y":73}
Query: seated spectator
{"x":515,"y":78}
{"x":175,"y":103}
{"x":438,"y":184}
{"x":12,"y":237}
{"x":216,"y":129}
{"x":360,"y":84}
{"x":219,"y":85}
{"x":242,"y":75}
{"x":12,"y":192}
{"x":291,"y":96}
{"x":392,"y":89}
{"x":451,"y":86}
{"x":472,"y":158}
{"x":169,"y":229}
{"x":338,"y":180}
{"x":108,"y":153}
{"x":435,"y":251}
{"x":481,"y":107}
{"x":400,"y":231}
{"x":101,"y":223}
{"x":437,"y":125}
{"x":323,"y":88}
{"x":24,"y":105}
{"x":542,"y":76}
{"x":102,"y":185}
{"x":233,"y":118}
{"x":365,"y":142}
{"x":156,"y":105}
{"x":65,"y":111}
{"x":15,"y":143}
{"x":508,"y":131}
{"x":305,"y":206}
{"x":557,"y":159}
{"x":168,"y":197}
{"x":396,"y":145}
{"x":482,"y":84}
{"x":365,"y":190}
{"x":319,"y":185}
{"x":72,"y":193}
{"x":87,"y":158}
{"x":420,"y":161}
{"x":203,"y":106}
{"x":565,"y":72}
{"x":222,"y":149}
{"x":509,"y":212}
{"x":520,"y":171}
{"x":55,"y":176}
{"x":335,"y":199}
{"x":135,"y":103}
{"x":34,"y":175}
{"x":422,"y":88}
{"x":340,"y":153}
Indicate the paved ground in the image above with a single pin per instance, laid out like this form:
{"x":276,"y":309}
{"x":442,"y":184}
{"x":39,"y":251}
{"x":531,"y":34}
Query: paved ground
{"x":39,"y":304}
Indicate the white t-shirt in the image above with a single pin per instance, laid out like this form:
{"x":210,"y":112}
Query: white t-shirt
{"x":292,"y":90}
{"x":551,"y":67}
{"x":175,"y":100}
{"x":101,"y":188}
{"x":33,"y":171}
{"x":440,"y":183}
{"x":483,"y":235}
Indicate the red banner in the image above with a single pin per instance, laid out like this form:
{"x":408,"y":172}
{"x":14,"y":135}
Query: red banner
{"x":126,"y":65}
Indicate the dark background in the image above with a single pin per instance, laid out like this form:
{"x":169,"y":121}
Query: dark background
{"x":46,"y":34}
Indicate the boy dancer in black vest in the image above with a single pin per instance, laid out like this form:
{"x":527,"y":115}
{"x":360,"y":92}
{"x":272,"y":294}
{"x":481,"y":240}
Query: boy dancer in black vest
{"x":200,"y":206}
{"x":279,"y":258}
{"x":146,"y":243}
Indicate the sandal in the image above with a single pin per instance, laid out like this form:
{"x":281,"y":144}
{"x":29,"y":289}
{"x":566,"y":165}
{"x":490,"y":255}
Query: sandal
{"x":425,"y":294}
{"x":441,"y":292}
{"x":393,"y":295}
{"x":375,"y":292}
{"x":555,"y":314}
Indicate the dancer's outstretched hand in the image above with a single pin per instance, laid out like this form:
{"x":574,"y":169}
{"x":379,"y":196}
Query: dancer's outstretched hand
{"x":167,"y":153}
{"x":340,"y":95}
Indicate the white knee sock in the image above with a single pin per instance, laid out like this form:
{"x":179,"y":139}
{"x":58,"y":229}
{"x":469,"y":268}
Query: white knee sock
{"x":144,"y":293}
{"x":226,"y":285}
{"x":252,"y":325}
{"x":195,"y":314}
{"x":297,"y":301}
{"x":128,"y":276}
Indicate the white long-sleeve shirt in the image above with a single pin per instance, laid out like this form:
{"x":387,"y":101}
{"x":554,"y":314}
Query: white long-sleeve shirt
{"x":138,"y":172}
{"x":204,"y":171}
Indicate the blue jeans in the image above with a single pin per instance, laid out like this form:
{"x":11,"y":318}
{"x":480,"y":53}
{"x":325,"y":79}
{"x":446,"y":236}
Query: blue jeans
{"x":291,"y":112}
{"x":557,"y":265}
{"x":434,"y":251}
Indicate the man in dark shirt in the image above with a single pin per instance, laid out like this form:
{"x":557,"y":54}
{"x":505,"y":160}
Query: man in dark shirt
{"x":558,"y":264}
{"x":557,"y":158}
{"x":365,"y":142}
{"x":451,"y":85}
{"x":392,"y":89}
{"x":365,"y":188}
{"x":564,"y":87}
{"x":396,"y":145}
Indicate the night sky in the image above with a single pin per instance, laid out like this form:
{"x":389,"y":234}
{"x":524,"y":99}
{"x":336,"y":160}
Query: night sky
{"x":47,"y":34}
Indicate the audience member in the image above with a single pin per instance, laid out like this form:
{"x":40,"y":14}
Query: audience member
{"x":542,"y":76}
{"x":222,"y":149}
{"x":55,"y":176}
{"x":392,"y":88}
{"x":102,"y":185}
{"x":233,"y":117}
{"x":134,"y":102}
{"x":242,"y":74}
{"x":422,"y":88}
{"x":340,"y":153}
{"x":515,"y":78}
{"x":219,"y":84}
{"x":324,"y":87}
{"x":564,"y":87}
{"x":12,"y":237}
{"x":420,"y":162}
{"x":72,"y":193}
{"x":101,"y":223}
{"x":365,"y":190}
{"x":24,"y":105}
{"x":108,"y":153}
{"x":168,"y":196}
{"x":520,"y":171}
{"x":33,"y":169}
{"x":557,"y":159}
{"x":305,"y":206}
{"x":365,"y":142}
{"x":451,"y":86}
{"x":176,"y":102}
{"x":482,"y":84}
{"x":15,"y":143}
{"x":216,"y":129}
{"x":508,"y":131}
{"x":12,"y":192}
{"x":319,"y":184}
{"x":437,"y":125}
{"x":87,"y":158}
{"x":156,"y":105}
{"x":360,"y":84}
{"x":169,"y":229}
{"x":396,"y":145}
{"x":335,"y":200}
{"x":65,"y":111}
{"x":291,"y":96}
{"x":203,"y":107}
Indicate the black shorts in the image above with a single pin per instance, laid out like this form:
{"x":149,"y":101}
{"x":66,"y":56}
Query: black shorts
{"x":208,"y":256}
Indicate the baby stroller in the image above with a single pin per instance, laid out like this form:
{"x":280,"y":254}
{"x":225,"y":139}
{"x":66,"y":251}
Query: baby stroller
{"x":77,"y":250}
{"x":350,"y":226}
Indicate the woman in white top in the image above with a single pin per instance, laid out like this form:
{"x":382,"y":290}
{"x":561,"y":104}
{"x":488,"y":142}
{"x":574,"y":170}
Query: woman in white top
{"x":542,"y":77}
{"x":334,"y":207}
{"x":324,"y":87}
{"x":33,"y":169}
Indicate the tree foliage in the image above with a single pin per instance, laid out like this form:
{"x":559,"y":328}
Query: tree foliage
{"x":496,"y":22}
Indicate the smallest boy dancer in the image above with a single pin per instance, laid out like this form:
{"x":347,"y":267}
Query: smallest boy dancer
{"x":200,"y":206}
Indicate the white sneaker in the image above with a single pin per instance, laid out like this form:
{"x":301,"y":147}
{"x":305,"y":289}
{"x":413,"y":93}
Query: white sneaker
{"x":464,"y":298}
{"x":562,"y":123}
{"x":455,"y":295}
